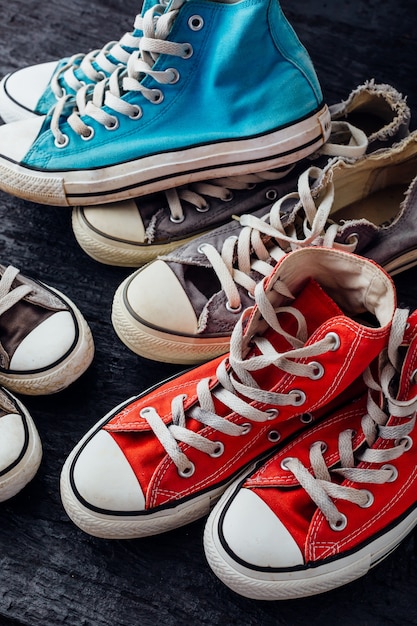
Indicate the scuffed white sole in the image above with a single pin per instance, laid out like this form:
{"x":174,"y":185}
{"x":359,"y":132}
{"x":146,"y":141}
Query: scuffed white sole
{"x":162,"y":171}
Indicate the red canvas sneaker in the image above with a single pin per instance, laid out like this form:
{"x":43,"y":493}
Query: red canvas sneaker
{"x":334,"y":501}
{"x":161,"y":459}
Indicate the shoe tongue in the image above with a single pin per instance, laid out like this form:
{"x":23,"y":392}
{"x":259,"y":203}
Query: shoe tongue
{"x":316,"y":307}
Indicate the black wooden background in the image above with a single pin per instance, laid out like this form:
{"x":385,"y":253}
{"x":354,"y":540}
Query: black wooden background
{"x":51,"y":573}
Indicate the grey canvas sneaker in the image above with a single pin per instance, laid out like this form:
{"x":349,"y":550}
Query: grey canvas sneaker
{"x":45,"y":342}
{"x":20,"y":446}
{"x":134,"y":232}
{"x":183,"y":307}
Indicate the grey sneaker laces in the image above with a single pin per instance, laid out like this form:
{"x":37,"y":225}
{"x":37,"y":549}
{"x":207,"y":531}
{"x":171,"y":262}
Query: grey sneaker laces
{"x":237,"y":387}
{"x":317,"y":480}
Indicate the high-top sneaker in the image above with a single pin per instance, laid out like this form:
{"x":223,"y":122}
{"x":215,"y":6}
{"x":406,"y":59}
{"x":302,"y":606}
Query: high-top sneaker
{"x":336,"y":500}
{"x":180,"y":112}
{"x":161,"y":459}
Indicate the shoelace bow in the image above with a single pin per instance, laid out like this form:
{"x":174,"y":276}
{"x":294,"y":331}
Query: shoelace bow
{"x":8,"y":296}
{"x":97,"y":64}
{"x":237,"y":388}
{"x":317,"y":481}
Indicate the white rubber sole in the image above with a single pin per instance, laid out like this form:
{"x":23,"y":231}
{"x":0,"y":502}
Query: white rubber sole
{"x":157,"y":345}
{"x":61,"y":375}
{"x":115,"y":252}
{"x":163,"y":171}
{"x":285,"y":585}
{"x":137,"y":524}
{"x":23,"y":472}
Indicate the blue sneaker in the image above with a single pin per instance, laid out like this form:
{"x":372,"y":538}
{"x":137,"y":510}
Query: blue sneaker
{"x":33,"y":90}
{"x":216,"y":89}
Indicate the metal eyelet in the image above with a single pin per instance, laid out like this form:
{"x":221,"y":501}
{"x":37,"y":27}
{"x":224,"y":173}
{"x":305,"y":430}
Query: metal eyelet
{"x":113,"y":125}
{"x":175,"y":75}
{"x":413,"y":378}
{"x":61,"y":143}
{"x":218,"y":451}
{"x":300,"y":397}
{"x":273,"y":436}
{"x":101,"y":76}
{"x":177,"y":220}
{"x":145,"y":410}
{"x":187,"y":51}
{"x":203,"y":209}
{"x":246,"y":428}
{"x":272,"y":413}
{"x":285,"y":461}
{"x":195,"y":22}
{"x":229,"y":197}
{"x":90,"y":135}
{"x":271,"y":194}
{"x":157,"y":96}
{"x":137,"y":114}
{"x":318,"y":370}
{"x":306,"y":418}
{"x":251,"y":295}
{"x":394,"y":472}
{"x":233,"y":309}
{"x":200,"y":248}
{"x":370,"y":499}
{"x":353,"y":238}
{"x":188,"y":471}
{"x":406,"y":440}
{"x":336,"y":340}
{"x":340,"y":524}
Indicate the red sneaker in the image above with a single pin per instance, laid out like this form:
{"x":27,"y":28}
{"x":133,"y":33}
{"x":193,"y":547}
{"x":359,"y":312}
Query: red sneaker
{"x":334,"y":501}
{"x":161,"y":459}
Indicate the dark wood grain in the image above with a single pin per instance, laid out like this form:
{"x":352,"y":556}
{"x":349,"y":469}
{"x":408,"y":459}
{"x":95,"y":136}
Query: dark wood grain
{"x":50,"y":572}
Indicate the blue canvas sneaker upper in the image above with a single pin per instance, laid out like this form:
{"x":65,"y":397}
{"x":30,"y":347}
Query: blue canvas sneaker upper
{"x":234,"y":70}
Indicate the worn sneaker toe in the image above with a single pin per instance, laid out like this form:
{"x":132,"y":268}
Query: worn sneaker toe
{"x":21,"y":91}
{"x":113,"y":233}
{"x":256,"y":536}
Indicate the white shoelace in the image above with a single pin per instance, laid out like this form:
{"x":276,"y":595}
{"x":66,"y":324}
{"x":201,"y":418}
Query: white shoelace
{"x":8,"y":296}
{"x":156,"y":25}
{"x":263,"y":241}
{"x":318,"y":482}
{"x":237,"y":387}
{"x":114,"y":54}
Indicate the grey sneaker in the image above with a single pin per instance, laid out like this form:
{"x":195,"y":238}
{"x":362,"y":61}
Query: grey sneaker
{"x":183,"y":307}
{"x":20,"y":446}
{"x":134,"y":232}
{"x":45,"y":342}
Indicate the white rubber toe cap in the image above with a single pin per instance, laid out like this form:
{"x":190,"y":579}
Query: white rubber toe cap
{"x":12,"y":440}
{"x":19,"y":137}
{"x":256,"y":535}
{"x":103,"y":477}
{"x":157,"y":297}
{"x":46,"y":344}
{"x":22,"y":90}
{"x":120,"y":221}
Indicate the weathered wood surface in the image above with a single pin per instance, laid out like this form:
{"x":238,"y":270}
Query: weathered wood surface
{"x":50,"y":572}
